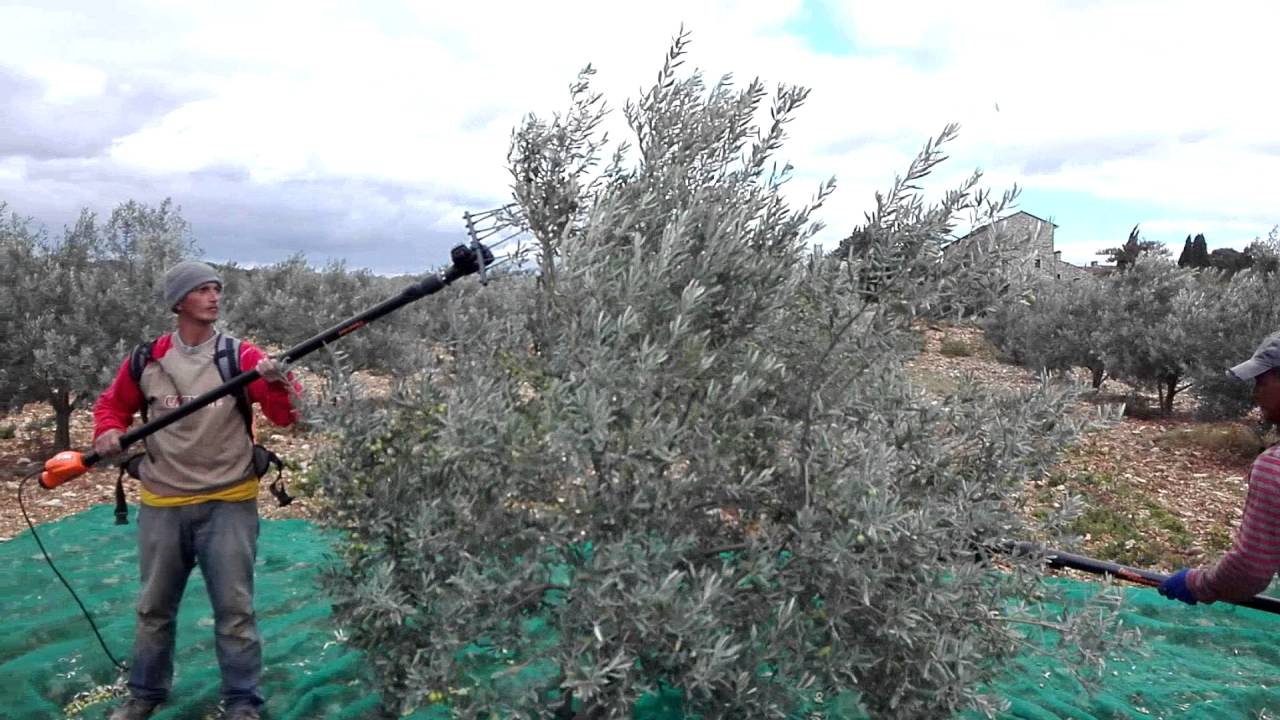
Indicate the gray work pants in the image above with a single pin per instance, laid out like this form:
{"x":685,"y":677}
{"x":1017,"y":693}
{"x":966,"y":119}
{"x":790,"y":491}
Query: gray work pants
{"x":222,"y":538}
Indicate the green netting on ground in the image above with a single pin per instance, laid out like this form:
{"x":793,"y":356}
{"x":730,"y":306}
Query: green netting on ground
{"x":1220,"y":661}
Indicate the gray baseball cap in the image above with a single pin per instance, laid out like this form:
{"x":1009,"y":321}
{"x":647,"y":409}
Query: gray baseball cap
{"x":1266,"y":357}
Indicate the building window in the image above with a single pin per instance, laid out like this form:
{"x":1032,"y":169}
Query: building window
{"x":1059,"y":276}
{"x":1037,"y":263}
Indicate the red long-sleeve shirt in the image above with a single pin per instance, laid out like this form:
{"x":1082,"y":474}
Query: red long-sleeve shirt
{"x":115,"y":408}
{"x":1247,"y":568}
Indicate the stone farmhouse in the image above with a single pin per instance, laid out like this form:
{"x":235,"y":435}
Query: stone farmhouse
{"x":1036,"y":236}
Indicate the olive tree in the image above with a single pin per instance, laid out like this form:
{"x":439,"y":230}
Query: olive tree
{"x":1054,"y":327}
{"x":1160,"y":327}
{"x":689,"y":455}
{"x":1225,"y":316}
{"x":289,"y":301}
{"x":22,"y":248}
{"x":1144,"y":333}
{"x":75,"y":305}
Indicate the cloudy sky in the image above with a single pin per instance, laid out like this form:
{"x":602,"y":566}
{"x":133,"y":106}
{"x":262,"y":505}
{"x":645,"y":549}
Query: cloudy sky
{"x":364,"y":130}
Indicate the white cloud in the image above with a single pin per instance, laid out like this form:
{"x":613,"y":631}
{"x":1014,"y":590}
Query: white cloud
{"x":1164,"y":103}
{"x":65,"y":83}
{"x":11,"y":169}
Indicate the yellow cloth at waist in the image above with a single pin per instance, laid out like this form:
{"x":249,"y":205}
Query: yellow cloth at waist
{"x":247,"y":490}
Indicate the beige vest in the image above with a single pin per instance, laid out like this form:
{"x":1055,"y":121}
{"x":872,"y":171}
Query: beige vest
{"x":205,"y":451}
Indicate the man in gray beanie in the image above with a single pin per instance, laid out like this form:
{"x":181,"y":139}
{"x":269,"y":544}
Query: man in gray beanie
{"x":1254,"y":558}
{"x":185,"y":277}
{"x":199,"y":490}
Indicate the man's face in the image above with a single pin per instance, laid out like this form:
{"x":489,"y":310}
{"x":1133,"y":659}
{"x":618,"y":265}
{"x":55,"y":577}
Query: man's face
{"x":1266,"y":394}
{"x":201,"y":304}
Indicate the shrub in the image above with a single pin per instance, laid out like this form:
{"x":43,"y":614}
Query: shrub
{"x":691,"y":449}
{"x":955,"y":347}
{"x":1229,"y":439}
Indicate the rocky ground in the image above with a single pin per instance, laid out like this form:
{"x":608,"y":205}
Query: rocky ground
{"x":1160,"y":492}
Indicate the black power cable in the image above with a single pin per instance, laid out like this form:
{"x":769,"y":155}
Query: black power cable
{"x":22,"y":506}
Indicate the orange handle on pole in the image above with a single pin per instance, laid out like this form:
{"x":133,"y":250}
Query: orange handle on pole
{"x":62,"y":467}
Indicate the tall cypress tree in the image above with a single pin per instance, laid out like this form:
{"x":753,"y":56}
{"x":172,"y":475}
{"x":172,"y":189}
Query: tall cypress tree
{"x":1199,"y":252}
{"x":1184,"y":259}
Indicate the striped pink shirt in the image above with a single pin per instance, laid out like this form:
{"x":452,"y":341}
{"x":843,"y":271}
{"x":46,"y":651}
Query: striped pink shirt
{"x":1246,"y":569}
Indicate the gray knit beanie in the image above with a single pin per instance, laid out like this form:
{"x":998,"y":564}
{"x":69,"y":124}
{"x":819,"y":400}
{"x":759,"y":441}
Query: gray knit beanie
{"x":185,"y":277}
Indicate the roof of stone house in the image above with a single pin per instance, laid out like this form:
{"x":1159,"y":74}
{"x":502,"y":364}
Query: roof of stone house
{"x":984,"y":226}
{"x":1024,"y":212}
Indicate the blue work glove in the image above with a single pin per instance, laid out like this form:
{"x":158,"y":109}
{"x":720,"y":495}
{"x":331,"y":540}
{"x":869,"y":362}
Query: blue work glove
{"x":1175,"y":587}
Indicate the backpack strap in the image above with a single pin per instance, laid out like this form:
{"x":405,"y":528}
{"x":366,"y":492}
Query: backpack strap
{"x":138,"y":360}
{"x":227,"y":358}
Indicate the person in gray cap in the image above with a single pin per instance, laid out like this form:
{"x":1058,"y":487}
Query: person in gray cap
{"x":199,"y":489}
{"x":1254,"y":558}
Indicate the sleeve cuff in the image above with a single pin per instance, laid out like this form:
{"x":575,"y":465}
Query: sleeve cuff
{"x":1196,"y":583}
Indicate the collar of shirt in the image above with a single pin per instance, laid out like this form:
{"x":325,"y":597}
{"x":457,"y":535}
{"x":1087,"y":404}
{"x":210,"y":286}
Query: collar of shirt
{"x":193,"y":349}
